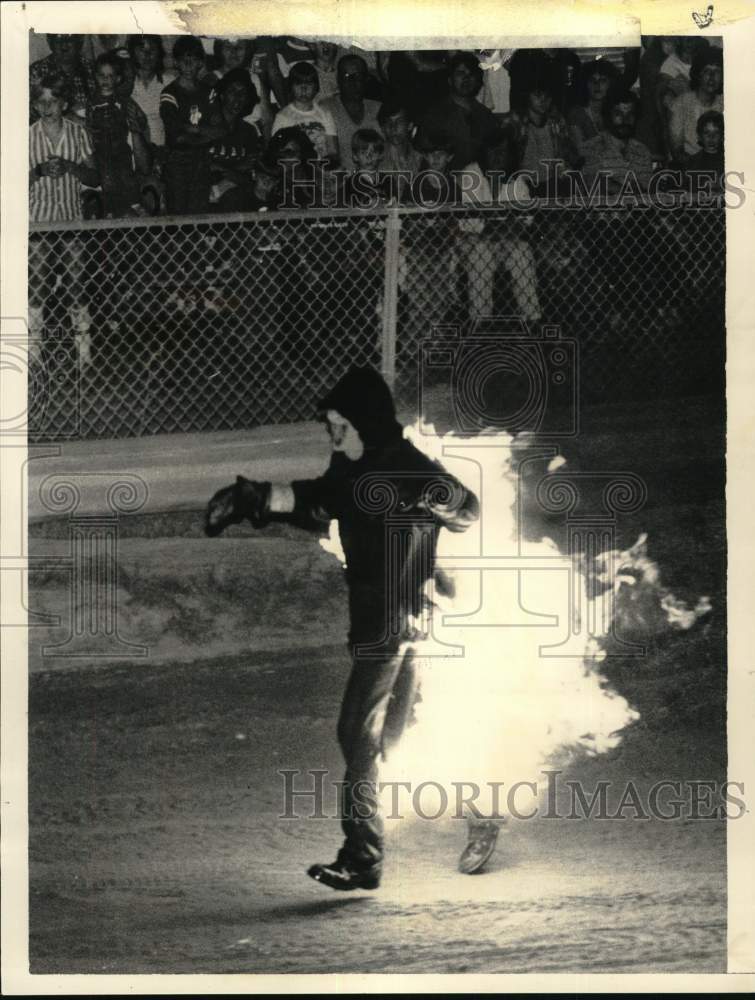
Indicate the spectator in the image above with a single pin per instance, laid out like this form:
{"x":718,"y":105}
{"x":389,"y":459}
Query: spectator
{"x":193,"y":121}
{"x":650,"y":121}
{"x":326,"y":55}
{"x":366,"y":187}
{"x":489,"y":243}
{"x":544,"y":140}
{"x":234,"y":156}
{"x":399,"y":156}
{"x":237,"y":54}
{"x":314,"y":120}
{"x":710,"y":156}
{"x":60,"y":161}
{"x":705,"y":94}
{"x":615,"y":150}
{"x":349,"y":108}
{"x":60,"y":155}
{"x":265,"y":194}
{"x":469,"y":123}
{"x":585,"y":120}
{"x":65,"y":61}
{"x":418,"y":80}
{"x":561,"y":66}
{"x":148,"y":57}
{"x":292,"y":151}
{"x":120,"y":139}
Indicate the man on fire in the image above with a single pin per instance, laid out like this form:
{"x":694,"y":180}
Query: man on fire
{"x":390,"y":502}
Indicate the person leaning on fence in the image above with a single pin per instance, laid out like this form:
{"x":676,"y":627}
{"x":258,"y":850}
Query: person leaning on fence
{"x":60,"y":162}
{"x":626,"y":161}
{"x":120,"y":138}
{"x":193,"y":121}
{"x":370,"y":459}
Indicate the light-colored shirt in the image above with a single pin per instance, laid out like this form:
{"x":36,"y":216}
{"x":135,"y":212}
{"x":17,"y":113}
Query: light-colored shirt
{"x":609,"y":154}
{"x":57,"y":199}
{"x":685,"y":112}
{"x":316,"y":124}
{"x":345,"y":127}
{"x":147,"y":96}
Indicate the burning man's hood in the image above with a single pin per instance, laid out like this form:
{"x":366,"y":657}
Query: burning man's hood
{"x":363,"y":397}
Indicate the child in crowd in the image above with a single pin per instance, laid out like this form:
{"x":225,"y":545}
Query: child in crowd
{"x":233,"y":54}
{"x":148,"y":57}
{"x":302,"y":112}
{"x":60,"y":161}
{"x":710,"y":159}
{"x":193,"y":121}
{"x":120,"y":138}
{"x":365,"y":187}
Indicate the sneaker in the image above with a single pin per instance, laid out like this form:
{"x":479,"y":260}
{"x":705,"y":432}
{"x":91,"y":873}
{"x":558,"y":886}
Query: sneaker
{"x":480,"y":846}
{"x":340,"y":876}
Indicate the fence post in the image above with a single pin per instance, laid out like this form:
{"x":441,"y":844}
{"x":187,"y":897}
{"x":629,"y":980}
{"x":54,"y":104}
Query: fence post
{"x":390,"y":296}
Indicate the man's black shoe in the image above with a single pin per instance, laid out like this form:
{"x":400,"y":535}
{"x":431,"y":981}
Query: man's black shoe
{"x":340,"y":876}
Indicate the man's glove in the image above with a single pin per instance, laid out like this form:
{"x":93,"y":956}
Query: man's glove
{"x":245,"y":499}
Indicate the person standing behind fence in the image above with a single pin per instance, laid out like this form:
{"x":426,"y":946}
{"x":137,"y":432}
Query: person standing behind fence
{"x":60,"y":161}
{"x":193,"y":121}
{"x":234,"y":156}
{"x":120,"y":138}
{"x":350,"y":109}
{"x":706,"y":81}
{"x":65,"y":61}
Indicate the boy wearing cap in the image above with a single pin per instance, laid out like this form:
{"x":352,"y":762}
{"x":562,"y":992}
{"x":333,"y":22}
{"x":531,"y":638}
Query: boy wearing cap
{"x":390,"y":502}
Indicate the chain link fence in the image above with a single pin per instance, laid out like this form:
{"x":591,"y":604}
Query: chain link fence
{"x":148,"y":326}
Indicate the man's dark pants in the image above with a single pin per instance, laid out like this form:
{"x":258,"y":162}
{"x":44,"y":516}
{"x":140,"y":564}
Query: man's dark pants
{"x":377,"y":705}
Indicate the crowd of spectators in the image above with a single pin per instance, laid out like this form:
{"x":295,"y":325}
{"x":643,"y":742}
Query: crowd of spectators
{"x":143,"y":125}
{"x":129,"y":126}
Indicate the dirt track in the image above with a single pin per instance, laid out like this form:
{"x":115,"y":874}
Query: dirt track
{"x":157,"y":846}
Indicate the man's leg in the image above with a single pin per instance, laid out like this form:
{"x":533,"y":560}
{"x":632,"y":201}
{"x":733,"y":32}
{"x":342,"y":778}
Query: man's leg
{"x":360,"y":733}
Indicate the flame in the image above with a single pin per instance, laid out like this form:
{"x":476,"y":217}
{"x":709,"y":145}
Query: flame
{"x":501,"y":701}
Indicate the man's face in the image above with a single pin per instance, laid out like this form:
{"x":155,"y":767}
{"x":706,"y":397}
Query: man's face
{"x":711,"y":79}
{"x":65,"y":48}
{"x":234,"y":99}
{"x":598,"y":86}
{"x":711,"y":138}
{"x":622,"y":121}
{"x":232,"y":54}
{"x":48,"y":107}
{"x":396,"y":128}
{"x":351,"y":79}
{"x":464,"y":83}
{"x":189,"y":65}
{"x":540,"y":102}
{"x":326,"y":52}
{"x":107,"y":80}
{"x":344,"y":436}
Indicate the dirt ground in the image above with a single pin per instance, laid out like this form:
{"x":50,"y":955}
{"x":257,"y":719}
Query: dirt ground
{"x":156,"y":843}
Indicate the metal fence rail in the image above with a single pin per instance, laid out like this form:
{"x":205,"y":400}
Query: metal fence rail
{"x":147,"y":326}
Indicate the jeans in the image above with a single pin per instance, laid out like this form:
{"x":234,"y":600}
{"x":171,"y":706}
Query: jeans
{"x":377,"y":705}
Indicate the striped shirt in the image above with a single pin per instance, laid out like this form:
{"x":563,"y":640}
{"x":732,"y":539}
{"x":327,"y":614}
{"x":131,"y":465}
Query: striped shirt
{"x":56,"y":199}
